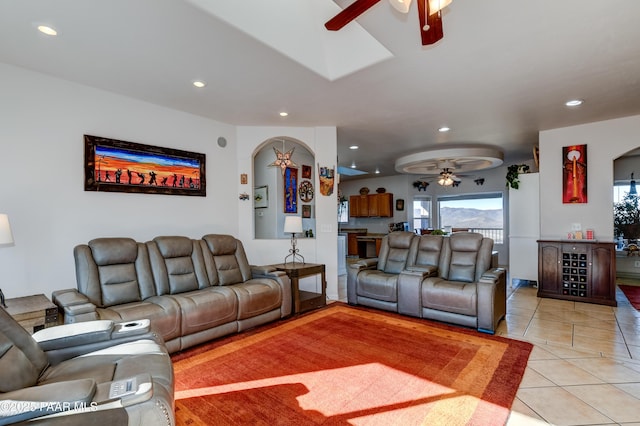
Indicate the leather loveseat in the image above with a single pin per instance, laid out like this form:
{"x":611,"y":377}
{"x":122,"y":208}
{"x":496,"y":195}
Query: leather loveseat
{"x":96,"y":372}
{"x":191,"y":290}
{"x":449,"y":279}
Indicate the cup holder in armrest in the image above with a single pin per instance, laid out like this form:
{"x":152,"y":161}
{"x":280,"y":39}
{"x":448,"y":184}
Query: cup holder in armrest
{"x":135,"y":327}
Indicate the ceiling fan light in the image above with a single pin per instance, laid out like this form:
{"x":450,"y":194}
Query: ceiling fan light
{"x":437,"y":5}
{"x":401,"y":6}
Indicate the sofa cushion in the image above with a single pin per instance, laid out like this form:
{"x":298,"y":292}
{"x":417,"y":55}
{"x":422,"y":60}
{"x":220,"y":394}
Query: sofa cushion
{"x":378,"y":285}
{"x":428,"y":250}
{"x":464,"y":256}
{"x":206,"y":308}
{"x":394,"y":254}
{"x":162,"y":311}
{"x":228,"y":261}
{"x":115,"y":259}
{"x":177,"y":264}
{"x":257,"y":296}
{"x":450,"y":296}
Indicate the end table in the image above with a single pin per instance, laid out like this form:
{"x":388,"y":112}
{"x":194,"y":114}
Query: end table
{"x":33,"y":312}
{"x":304,"y":300}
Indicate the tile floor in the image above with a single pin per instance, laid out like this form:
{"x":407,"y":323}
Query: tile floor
{"x":585,"y":366}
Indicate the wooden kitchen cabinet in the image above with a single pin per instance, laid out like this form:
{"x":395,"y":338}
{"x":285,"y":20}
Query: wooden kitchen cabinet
{"x":353,"y":248}
{"x":372,"y":205}
{"x":359,"y":206}
{"x":581,"y":271}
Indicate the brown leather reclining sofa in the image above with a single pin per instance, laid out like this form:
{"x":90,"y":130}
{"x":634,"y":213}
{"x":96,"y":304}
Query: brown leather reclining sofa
{"x":191,"y":290}
{"x":449,"y":279}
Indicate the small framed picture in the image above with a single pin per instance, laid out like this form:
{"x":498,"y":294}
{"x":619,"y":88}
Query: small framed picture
{"x":400,"y":204}
{"x":306,"y":211}
{"x":243,"y":179}
{"x":261,"y":197}
{"x":306,"y":172}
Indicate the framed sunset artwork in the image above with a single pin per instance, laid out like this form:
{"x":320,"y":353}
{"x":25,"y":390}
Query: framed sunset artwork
{"x":118,"y":166}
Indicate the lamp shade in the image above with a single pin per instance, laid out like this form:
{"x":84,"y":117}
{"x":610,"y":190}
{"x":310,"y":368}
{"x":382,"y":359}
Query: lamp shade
{"x":6,"y":237}
{"x":293,"y":224}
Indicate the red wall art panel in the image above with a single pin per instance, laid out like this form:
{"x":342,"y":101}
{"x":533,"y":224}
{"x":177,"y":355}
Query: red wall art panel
{"x":574,"y":174}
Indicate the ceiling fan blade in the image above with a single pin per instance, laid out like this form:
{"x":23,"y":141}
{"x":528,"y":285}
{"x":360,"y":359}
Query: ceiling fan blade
{"x":433,"y":23}
{"x":348,"y":14}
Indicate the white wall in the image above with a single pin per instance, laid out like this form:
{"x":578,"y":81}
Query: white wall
{"x":606,"y":141}
{"x":322,"y":141}
{"x":42,"y":123}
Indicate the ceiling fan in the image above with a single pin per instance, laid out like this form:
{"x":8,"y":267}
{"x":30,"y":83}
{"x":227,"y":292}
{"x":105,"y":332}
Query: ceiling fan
{"x":429,"y":14}
{"x":447,"y":178}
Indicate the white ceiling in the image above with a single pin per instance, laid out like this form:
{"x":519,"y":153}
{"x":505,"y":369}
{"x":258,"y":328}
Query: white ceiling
{"x":500,"y":75}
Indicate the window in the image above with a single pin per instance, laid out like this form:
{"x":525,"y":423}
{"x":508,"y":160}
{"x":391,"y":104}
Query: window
{"x":343,"y":212}
{"x":421,"y":213}
{"x":481,"y":213}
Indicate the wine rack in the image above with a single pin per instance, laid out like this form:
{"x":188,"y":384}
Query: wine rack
{"x":582,"y":271}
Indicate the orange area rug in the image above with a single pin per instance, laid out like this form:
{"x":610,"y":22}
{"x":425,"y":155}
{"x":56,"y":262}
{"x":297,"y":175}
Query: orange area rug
{"x":345,"y":365}
{"x":633,"y":294}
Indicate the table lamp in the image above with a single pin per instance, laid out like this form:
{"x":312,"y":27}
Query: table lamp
{"x":293,"y":225}
{"x":6,"y":238}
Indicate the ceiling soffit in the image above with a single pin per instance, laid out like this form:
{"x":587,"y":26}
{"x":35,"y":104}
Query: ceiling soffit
{"x":297,"y":31}
{"x":460,"y":160}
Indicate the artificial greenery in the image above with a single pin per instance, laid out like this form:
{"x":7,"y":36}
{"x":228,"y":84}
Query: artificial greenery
{"x":438,"y":232}
{"x":626,"y":217}
{"x":512,"y":174}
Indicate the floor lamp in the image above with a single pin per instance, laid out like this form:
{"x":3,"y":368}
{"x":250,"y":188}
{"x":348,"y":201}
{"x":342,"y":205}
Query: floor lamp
{"x":293,"y":225}
{"x":6,"y":238}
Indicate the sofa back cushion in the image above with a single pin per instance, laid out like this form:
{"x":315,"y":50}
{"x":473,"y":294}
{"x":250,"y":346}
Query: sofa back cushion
{"x":21,"y":359}
{"x":113,"y":271}
{"x":177,"y":264}
{"x":464,"y":250}
{"x":226,"y":259}
{"x":428,"y":248}
{"x":394,"y":252}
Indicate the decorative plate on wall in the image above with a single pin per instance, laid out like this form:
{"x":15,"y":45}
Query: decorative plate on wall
{"x":306,"y":191}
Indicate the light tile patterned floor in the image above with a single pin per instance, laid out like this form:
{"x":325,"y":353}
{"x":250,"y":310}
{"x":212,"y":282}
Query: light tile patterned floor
{"x":585,"y":366}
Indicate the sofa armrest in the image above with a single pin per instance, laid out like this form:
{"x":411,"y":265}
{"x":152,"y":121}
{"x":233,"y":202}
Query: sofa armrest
{"x":266,"y":271}
{"x":492,"y":299}
{"x":68,"y":341}
{"x":353,"y":270}
{"x":66,"y":335}
{"x":282,"y":279}
{"x":37,"y":401}
{"x":76,"y":306}
{"x":410,"y":290}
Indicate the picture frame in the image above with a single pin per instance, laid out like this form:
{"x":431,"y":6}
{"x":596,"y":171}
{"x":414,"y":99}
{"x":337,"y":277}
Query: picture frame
{"x":306,"y":172}
{"x":290,"y":190}
{"x":399,"y":204}
{"x":261,"y":197}
{"x":574,"y":174}
{"x":244,"y":179}
{"x":306,"y":211}
{"x":112,"y":165}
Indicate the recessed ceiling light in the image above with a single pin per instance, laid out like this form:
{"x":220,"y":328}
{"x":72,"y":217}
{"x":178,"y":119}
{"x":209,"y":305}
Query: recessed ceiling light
{"x":444,"y":129}
{"x":44,"y":29}
{"x":574,"y":102}
{"x":199,"y":84}
{"x":284,"y":114}
{"x":354,"y":147}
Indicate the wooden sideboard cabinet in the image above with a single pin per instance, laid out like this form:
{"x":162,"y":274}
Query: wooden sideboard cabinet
{"x":580,"y":270}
